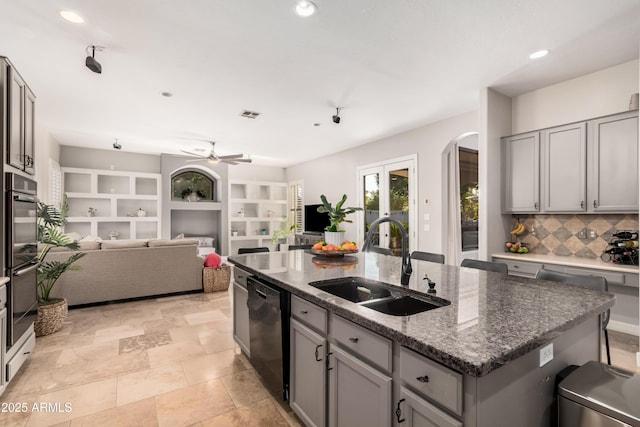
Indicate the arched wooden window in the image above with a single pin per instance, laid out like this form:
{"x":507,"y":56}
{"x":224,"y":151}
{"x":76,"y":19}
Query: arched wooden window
{"x":192,"y":186}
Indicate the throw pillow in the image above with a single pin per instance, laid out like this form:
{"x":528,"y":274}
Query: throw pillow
{"x":213,"y":261}
{"x":91,"y":238}
{"x":74,"y":236}
{"x":179,"y":236}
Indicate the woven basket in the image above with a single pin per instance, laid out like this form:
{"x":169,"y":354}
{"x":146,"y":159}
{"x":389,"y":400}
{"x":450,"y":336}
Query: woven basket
{"x":216,"y":279}
{"x":50,"y":317}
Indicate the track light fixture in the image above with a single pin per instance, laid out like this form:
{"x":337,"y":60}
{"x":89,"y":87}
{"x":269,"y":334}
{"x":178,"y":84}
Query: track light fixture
{"x":91,"y":62}
{"x":116,"y":145}
{"x":336,"y":117}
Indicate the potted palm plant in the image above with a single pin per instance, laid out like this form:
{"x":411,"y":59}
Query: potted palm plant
{"x":52,"y":312}
{"x":337,"y":215}
{"x":285,"y":230}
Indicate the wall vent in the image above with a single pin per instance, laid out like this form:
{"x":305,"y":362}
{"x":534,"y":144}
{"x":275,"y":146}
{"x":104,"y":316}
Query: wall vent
{"x":249,"y":114}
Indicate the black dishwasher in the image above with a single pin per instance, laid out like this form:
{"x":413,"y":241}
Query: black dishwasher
{"x":269,"y":334}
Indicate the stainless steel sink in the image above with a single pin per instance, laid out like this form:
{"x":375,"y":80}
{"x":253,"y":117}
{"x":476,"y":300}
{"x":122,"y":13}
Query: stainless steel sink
{"x":379,"y":296}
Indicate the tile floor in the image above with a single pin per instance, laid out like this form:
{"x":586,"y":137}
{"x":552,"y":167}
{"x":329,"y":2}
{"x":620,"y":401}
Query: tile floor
{"x":162,"y":362}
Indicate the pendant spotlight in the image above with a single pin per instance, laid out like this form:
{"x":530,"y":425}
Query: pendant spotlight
{"x":336,"y":117}
{"x":91,"y":62}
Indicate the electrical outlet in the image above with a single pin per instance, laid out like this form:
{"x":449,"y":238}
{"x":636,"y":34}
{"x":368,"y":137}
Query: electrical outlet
{"x":582,"y":234}
{"x":546,"y":354}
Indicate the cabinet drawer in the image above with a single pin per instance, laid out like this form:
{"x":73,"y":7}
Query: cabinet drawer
{"x":363,"y":342}
{"x":21,"y":356}
{"x":527,"y":269}
{"x":240,"y":276}
{"x":309,"y":314}
{"x":431,"y":379}
{"x":612,"y":277}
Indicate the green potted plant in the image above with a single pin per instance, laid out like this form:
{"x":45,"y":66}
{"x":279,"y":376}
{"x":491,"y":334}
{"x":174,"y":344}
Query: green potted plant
{"x":337,"y":215}
{"x":52,"y":311}
{"x":285,"y":230}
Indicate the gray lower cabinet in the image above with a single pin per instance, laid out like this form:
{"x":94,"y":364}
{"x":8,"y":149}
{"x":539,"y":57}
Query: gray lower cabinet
{"x":3,"y":338}
{"x":308,"y":379}
{"x":359,"y":395}
{"x":417,"y":412}
{"x":241,"y":310}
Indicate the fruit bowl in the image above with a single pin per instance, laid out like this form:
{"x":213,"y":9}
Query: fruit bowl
{"x":333,"y":253}
{"x":516,"y":247}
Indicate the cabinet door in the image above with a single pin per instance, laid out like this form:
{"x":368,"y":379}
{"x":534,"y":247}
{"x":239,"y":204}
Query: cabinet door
{"x":241,"y":317}
{"x":564,"y":163}
{"x":613,"y":149}
{"x":359,"y":395}
{"x":308,"y":378}
{"x":15,"y":119}
{"x":522,"y":173}
{"x":29,"y":132}
{"x":417,"y":412}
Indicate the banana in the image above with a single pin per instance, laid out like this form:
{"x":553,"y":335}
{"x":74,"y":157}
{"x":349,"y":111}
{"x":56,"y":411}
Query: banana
{"x":520,"y":228}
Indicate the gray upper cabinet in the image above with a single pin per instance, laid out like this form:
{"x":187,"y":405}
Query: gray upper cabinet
{"x":18,"y":118}
{"x":564,"y":162}
{"x":613,"y":173}
{"x":585,"y":167}
{"x":521,"y":156}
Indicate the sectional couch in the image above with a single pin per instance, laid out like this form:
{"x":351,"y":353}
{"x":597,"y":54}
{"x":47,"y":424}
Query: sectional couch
{"x":115,"y":270}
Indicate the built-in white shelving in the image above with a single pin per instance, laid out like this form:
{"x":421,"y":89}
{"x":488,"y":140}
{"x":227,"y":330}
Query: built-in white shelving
{"x":256,"y":210}
{"x":117,"y":197}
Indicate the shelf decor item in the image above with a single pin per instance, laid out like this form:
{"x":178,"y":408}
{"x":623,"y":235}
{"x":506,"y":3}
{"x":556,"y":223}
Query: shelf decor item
{"x":141,"y":212}
{"x":92,"y":211}
{"x":52,"y":312}
{"x":285,"y":231}
{"x":337,"y":215}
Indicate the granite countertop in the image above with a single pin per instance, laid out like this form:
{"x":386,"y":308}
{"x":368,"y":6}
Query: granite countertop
{"x":4,"y":280}
{"x":493,"y":318}
{"x":570,"y":261}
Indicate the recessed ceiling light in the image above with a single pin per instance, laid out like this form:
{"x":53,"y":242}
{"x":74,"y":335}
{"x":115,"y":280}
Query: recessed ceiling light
{"x":167,"y":94}
{"x":539,"y":54}
{"x":316,"y":124}
{"x":306,"y":8}
{"x":71,"y":16}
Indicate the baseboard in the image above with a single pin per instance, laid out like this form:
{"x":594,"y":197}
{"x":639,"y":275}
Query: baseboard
{"x":627,"y":328}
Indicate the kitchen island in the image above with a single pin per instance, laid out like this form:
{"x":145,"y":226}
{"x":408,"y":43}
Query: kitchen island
{"x":493,"y":337}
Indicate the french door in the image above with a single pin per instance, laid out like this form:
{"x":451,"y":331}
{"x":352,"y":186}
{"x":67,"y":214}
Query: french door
{"x":388,"y":190}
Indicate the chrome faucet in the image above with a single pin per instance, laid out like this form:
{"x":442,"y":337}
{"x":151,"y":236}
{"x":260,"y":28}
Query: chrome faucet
{"x":406,"y":261}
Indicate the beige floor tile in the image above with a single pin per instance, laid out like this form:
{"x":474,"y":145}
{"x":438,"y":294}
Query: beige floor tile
{"x":150,"y":382}
{"x":217,"y":342}
{"x":175,"y":352}
{"x":191,"y":333}
{"x":262,"y":413}
{"x":164,"y":324}
{"x":204,"y":317}
{"x":116,"y":333}
{"x":140,"y":414}
{"x":55,"y":342}
{"x":193,"y":404}
{"x":212,"y":366}
{"x":245,"y":388}
{"x":17,"y":417}
{"x":83,"y":400}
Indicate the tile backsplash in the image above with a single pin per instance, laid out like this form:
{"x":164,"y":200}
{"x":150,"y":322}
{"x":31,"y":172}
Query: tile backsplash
{"x":572,"y":235}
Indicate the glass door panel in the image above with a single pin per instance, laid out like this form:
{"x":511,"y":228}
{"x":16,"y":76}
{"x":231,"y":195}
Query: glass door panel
{"x":398,"y":185}
{"x":371,"y":202}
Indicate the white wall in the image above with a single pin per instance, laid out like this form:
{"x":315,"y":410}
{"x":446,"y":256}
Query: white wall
{"x":335,"y":175}
{"x":593,"y":95}
{"x":46,"y":148}
{"x":252,"y":172}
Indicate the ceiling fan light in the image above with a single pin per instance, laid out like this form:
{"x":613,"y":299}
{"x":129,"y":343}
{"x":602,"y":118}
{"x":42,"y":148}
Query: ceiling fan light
{"x":305,"y":8}
{"x":214,"y":161}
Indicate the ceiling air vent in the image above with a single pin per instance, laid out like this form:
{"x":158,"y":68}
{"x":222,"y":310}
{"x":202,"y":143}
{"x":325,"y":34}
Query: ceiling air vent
{"x":249,"y":114}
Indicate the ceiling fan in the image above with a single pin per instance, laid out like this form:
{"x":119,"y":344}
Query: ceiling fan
{"x":212,"y":157}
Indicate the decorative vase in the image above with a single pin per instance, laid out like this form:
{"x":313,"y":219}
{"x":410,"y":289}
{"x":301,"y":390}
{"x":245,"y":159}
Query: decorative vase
{"x":284,"y":247}
{"x":142,"y":212}
{"x":334,"y":237}
{"x":193,"y":197}
{"x":50,"y":317}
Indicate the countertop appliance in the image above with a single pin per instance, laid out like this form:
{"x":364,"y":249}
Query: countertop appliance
{"x":269,"y":334}
{"x":599,"y":395}
{"x":21,"y":255}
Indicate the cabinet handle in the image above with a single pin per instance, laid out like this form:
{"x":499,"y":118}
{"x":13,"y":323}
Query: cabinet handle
{"x":303,"y":311}
{"x":595,"y":203}
{"x":581,"y":204}
{"x":327,"y":361}
{"x":399,"y":411}
{"x":423,"y":379}
{"x":535,"y":205}
{"x":318,"y":347}
{"x":353,"y":340}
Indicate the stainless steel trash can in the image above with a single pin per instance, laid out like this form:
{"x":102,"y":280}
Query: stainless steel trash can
{"x":599,"y":395}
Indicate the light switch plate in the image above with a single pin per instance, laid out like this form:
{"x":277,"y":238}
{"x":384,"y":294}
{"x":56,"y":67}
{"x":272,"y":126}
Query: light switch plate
{"x":427,"y":227}
{"x":546,"y":354}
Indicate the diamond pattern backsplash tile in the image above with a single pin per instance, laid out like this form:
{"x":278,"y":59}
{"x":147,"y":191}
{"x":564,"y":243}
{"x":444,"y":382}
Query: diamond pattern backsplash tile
{"x":583,"y":236}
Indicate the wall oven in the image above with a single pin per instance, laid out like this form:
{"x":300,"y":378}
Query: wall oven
{"x":21,"y":255}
